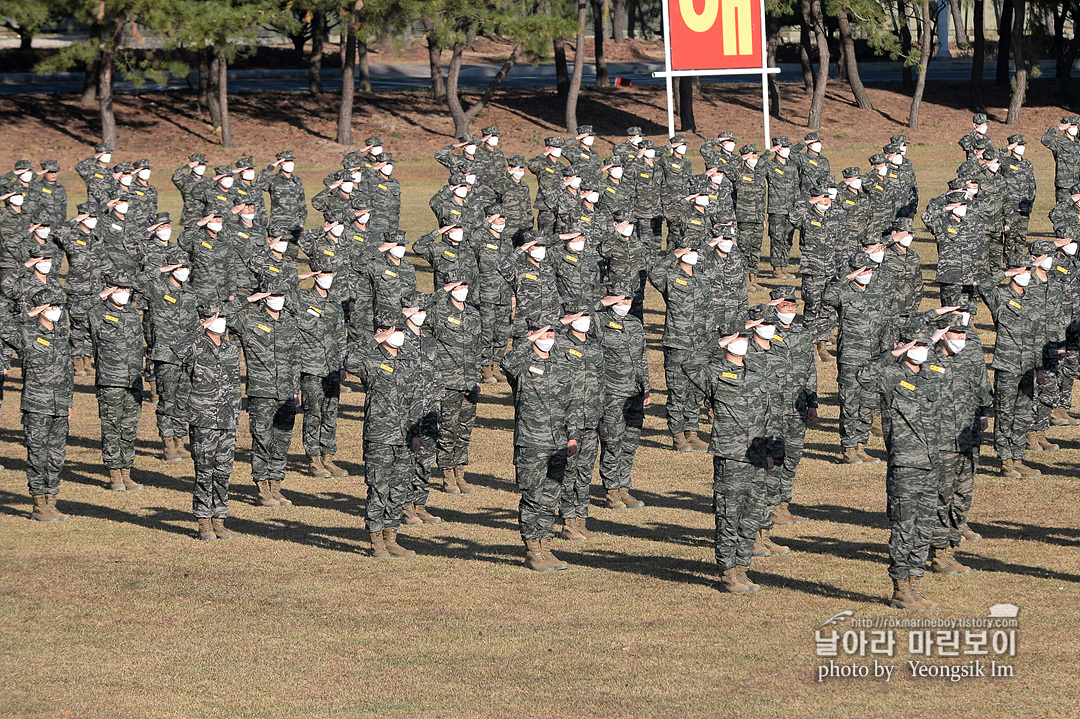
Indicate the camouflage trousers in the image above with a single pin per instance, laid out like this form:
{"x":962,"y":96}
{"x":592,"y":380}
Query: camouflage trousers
{"x":1047,"y":392}
{"x":423,"y":463}
{"x":119,"y":409}
{"x":271,"y":424}
{"x":574,"y":500}
{"x":781,"y":238}
{"x":751,"y":237}
{"x":1068,"y":366}
{"x":545,"y":220}
{"x":912,"y":512}
{"x":213,"y":451}
{"x":457,"y":417}
{"x":651,"y":232}
{"x":794,"y":441}
{"x":79,"y":316}
{"x":623,"y":419}
{"x":817,"y":318}
{"x":319,"y":396}
{"x":46,"y":449}
{"x":857,"y":407}
{"x":494,"y":332}
{"x":738,"y":501}
{"x":956,"y":484}
{"x":1013,"y":412}
{"x":170,"y":380}
{"x":1017,"y":237}
{"x":387,"y":471}
{"x":539,"y":473}
{"x":684,"y":398}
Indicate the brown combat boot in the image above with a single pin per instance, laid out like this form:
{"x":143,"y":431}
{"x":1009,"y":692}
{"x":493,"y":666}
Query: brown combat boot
{"x":130,"y":484}
{"x":425,"y":516}
{"x":967,"y":534}
{"x":169,"y":454}
{"x":773,"y":546}
{"x":1032,"y":442}
{"x":333,"y":469}
{"x":866,"y":457}
{"x":80,"y":366}
{"x":178,"y":445}
{"x":152,"y":395}
{"x":545,"y":547}
{"x":782,"y":516}
{"x":680,"y":443}
{"x":694,"y":441}
{"x":1044,"y":443}
{"x":913,"y":583}
{"x":741,"y":570}
{"x":1008,"y":470}
{"x":50,"y":502}
{"x":570,"y":531}
{"x":962,"y":568}
{"x":266,"y":496}
{"x":488,"y":375}
{"x":459,"y":477}
{"x":875,"y":425}
{"x":731,"y":583}
{"x":408,"y":515}
{"x":760,"y":548}
{"x":630,"y":500}
{"x":975,"y":330}
{"x":218,"y":523}
{"x":275,"y":492}
{"x":852,"y":456}
{"x":395,"y":549}
{"x":116,"y":480}
{"x":316,"y":468}
{"x":583,"y":530}
{"x":206,"y":530}
{"x":902,"y":598}
{"x":1060,"y":418}
{"x":822,"y":351}
{"x":1024,"y":470}
{"x":941,"y":563}
{"x":378,"y":546}
{"x":535,"y":559}
{"x":41,"y":511}
{"x":449,"y":483}
{"x":614,"y":499}
{"x":752,"y":284}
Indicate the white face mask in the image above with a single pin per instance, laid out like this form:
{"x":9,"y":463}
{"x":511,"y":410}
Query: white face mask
{"x":981,"y":129}
{"x":218,"y":326}
{"x":877,"y":256}
{"x":470,"y":179}
{"x":576,"y":245}
{"x":544,"y":344}
{"x":786,"y":317}
{"x":896,"y":159}
{"x":971,"y":191}
{"x":1019,"y":150}
{"x":54,"y":314}
{"x":418,"y":318}
{"x":44,"y":267}
{"x":1072,"y":130}
{"x":182,"y":273}
{"x":905,"y":241}
{"x":347,"y":187}
{"x":396,"y":339}
{"x":90,"y":222}
{"x":336,"y":230}
{"x":960,"y":211}
{"x":680,"y":150}
{"x":43,"y":232}
{"x":822,"y":207}
{"x":1070,"y":249}
{"x":582,"y":324}
{"x":738,"y":346}
{"x":538,"y":253}
{"x":517,"y":174}
{"x":247,"y":216}
{"x":280,"y":246}
{"x":363,"y":219}
{"x":621,"y":310}
{"x":751,"y":162}
{"x":593,"y":197}
{"x":26,"y":176}
{"x":729,"y":147}
{"x":356,"y":176}
{"x":275,"y":303}
{"x":855,"y":183}
{"x":498,"y":226}
{"x":213,"y":226}
{"x":616,"y":173}
{"x":725,"y":246}
{"x":226,"y":182}
{"x":324,"y":281}
{"x":588,"y":141}
{"x":701,"y":200}
{"x":288,"y":166}
{"x":635,"y":140}
{"x":125,"y":180}
{"x":121,"y":297}
{"x":470,"y":149}
{"x":387,"y":169}
{"x":815,"y":146}
{"x":864,"y":279}
{"x":956,"y":346}
{"x":122,"y":207}
{"x":493,"y":141}
{"x":248,"y":174}
{"x":199,"y":170}
{"x":717,"y":178}
{"x":556,"y":152}
{"x":784,"y":151}
{"x":575,"y":182}
{"x":164,"y":233}
{"x":1047,"y":263}
{"x":106,"y":157}
{"x":144,"y":174}
{"x":765,"y":332}
{"x":455,"y":235}
{"x":965,"y":317}
{"x":881,"y":171}
{"x":627,"y":231}
{"x":832,"y":193}
{"x":461,"y":191}
{"x":377,"y":150}
{"x":918,"y":354}
{"x":993,"y":166}
{"x":397,"y":251}
{"x":650,"y":153}
{"x":1022,"y":279}
{"x":16,"y":200}
{"x":690,"y":258}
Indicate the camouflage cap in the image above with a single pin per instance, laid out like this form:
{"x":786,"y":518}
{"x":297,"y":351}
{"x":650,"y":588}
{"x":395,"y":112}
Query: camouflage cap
{"x":576,"y":305}
{"x":860,"y":261}
{"x":48,"y":296}
{"x":373,"y":141}
{"x":869,"y":240}
{"x":1017,"y":139}
{"x":955,"y":196}
{"x":516,"y":161}
{"x":387,"y":319}
{"x":1041,"y":247}
{"x":980,"y":143}
{"x":647,"y":144}
{"x":141,"y":164}
{"x":245,"y":163}
{"x":620,"y":289}
{"x":877,"y":159}
{"x":490,"y":131}
{"x":495,"y":208}
{"x":1018,"y":259}
{"x":851,"y":172}
{"x":161,"y":218}
{"x":386,"y":157}
{"x":207,"y":311}
{"x":321,"y":262}
{"x":591,"y":181}
{"x":783,"y":292}
{"x":397,"y":237}
{"x":415,"y":298}
{"x":278,"y":230}
{"x":534,"y":324}
{"x":958,"y":183}
{"x":352,"y":160}
{"x":990,"y":154}
{"x":614,"y":161}
{"x":175,"y":256}
{"x":781,"y":140}
{"x":457,"y":178}
{"x":902,"y":224}
{"x":915,"y":331}
{"x":732,"y":327}
{"x":41,"y":217}
{"x":623,"y":214}
{"x":569,"y":171}
{"x":343,"y":216}
{"x":274,"y":284}
{"x":50,"y":166}
{"x":118,"y":278}
{"x":677,"y":140}
{"x":24,"y":165}
{"x":40,"y":251}
{"x":891,"y":149}
{"x":584,"y":129}
{"x":285,"y":155}
{"x":900,"y":139}
{"x":222,"y":170}
{"x":1071,"y":120}
{"x":764,"y":313}
{"x":124,"y":168}
{"x":360,"y":200}
{"x":197,"y":157}
{"x":725,"y":135}
{"x":633,"y":131}
{"x":87,"y":208}
{"x":812,"y":137}
{"x":951,"y":322}
{"x":750,"y":149}
{"x":553,"y":141}
{"x":467,"y":139}
{"x":978,"y":118}
{"x":102,"y":147}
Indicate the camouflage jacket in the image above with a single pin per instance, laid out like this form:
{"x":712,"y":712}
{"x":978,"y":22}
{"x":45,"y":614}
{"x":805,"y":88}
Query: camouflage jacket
{"x":457,"y":332}
{"x":210,"y":398}
{"x":211,"y":256}
{"x":783,"y":183}
{"x":48,"y":374}
{"x":1066,"y":151}
{"x":728,"y":298}
{"x":577,"y":275}
{"x":966,"y":395}
{"x":865,"y":322}
{"x":50,"y":197}
{"x":288,"y":203}
{"x":445,"y":257}
{"x":491,"y":251}
{"x":99,"y":180}
{"x":381,"y":286}
{"x":1020,"y":187}
{"x":687,"y":315}
{"x":172,"y":314}
{"x":911,"y":409}
{"x":271,"y":348}
{"x":961,"y":248}
{"x":822,"y":235}
{"x":800,"y":387}
{"x":1018,"y":346}
{"x":117,"y":335}
{"x":321,"y":321}
{"x":534,"y":286}
{"x":751,"y":191}
{"x":586,"y":367}
{"x":905,"y":266}
{"x":393,"y":400}
{"x":86,"y":260}
{"x":542,"y":395}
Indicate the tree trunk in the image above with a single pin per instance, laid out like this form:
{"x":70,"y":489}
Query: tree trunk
{"x":202,"y":65}
{"x":348,"y":85}
{"x":1016,"y":102}
{"x":817,"y":104}
{"x":804,"y":47}
{"x":925,"y":39}
{"x":959,"y":26}
{"x":461,"y":116}
{"x":1004,"y":23}
{"x":1062,"y":64}
{"x":213,"y":93}
{"x":772,"y":26}
{"x":362,"y":68}
{"x":105,"y":82}
{"x":223,"y":101}
{"x":857,"y":89}
{"x":978,"y":59}
{"x":908,"y":81}
{"x":26,"y":41}
{"x":686,"y":105}
{"x":579,"y":70}
{"x":318,"y":33}
{"x":618,"y":21}
{"x":90,"y":81}
{"x":438,"y":85}
{"x":598,"y":43}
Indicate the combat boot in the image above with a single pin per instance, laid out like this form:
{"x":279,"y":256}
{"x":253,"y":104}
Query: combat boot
{"x":266,"y":497}
{"x":152,"y":395}
{"x":583,"y":530}
{"x":169,"y":454}
{"x":80,"y":366}
{"x":694,"y":441}
{"x":275,"y":492}
{"x":178,"y":445}
{"x":861,"y":449}
{"x":741,"y":573}
{"x":570,"y":531}
{"x":206,"y":531}
{"x":973,"y":329}
{"x":395,"y":549}
{"x":1024,"y":470}
{"x":449,"y":483}
{"x":218,"y":523}
{"x":1044,"y":443}
{"x":408,"y":515}
{"x":316,"y":468}
{"x":130,"y":484}
{"x":782,"y":516}
{"x":41,"y":510}
{"x":731,"y":583}
{"x":760,"y":548}
{"x":116,"y":480}
{"x":425,"y":516}
{"x":1032,"y":442}
{"x":459,"y":476}
{"x":967,"y":534}
{"x":50,"y":502}
{"x":497,"y":373}
{"x":772,"y":546}
{"x":545,"y":547}
{"x":751,"y":283}
{"x":378,"y":546}
{"x":822,"y":351}
{"x":1009,"y":470}
{"x":852,"y":456}
{"x":614,"y":500}
{"x":1060,"y":418}
{"x":781,"y":273}
{"x":940,"y":562}
{"x":875,"y":425}
{"x":902,"y":598}
{"x":535,"y":559}
{"x":630,"y":500}
{"x":913,"y":584}
{"x":961,"y":568}
{"x":333,"y":469}
{"x":488,"y":375}
{"x":679,"y":443}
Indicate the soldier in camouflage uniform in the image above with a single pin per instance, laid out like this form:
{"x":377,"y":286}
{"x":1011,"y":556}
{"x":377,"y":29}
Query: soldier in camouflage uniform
{"x":335,"y":198}
{"x":19,"y":289}
{"x":384,"y":192}
{"x":591,"y":219}
{"x":121,"y":238}
{"x":18,"y":181}
{"x":689,"y":221}
{"x":1020,"y":188}
{"x":581,"y":154}
{"x":491,"y":293}
{"x":392,"y":414}
{"x":577,"y":270}
{"x":1062,"y":141}
{"x":913,"y":401}
{"x":490,"y":161}
{"x":548,"y":171}
{"x":50,"y":195}
{"x":821,"y":225}
{"x":961,"y":251}
{"x":901,"y":176}
{"x":721,"y":260}
{"x":189,"y":179}
{"x":647,"y":180}
{"x":676,"y":172}
{"x":979,"y":128}
{"x":531,"y":276}
{"x":210,"y":366}
{"x":566,"y":201}
{"x":144,"y":196}
{"x":48,"y":386}
{"x":269,"y":334}
{"x":617,"y":191}
{"x":629,"y":150}
{"x":453,"y":205}
{"x":1047,"y":293}
{"x":288,"y":203}
{"x":446,"y":250}
{"x":514,"y":198}
{"x":217,"y":195}
{"x":720,"y":153}
{"x":740,"y":445}
{"x":95,"y":172}
{"x":625,"y":257}
{"x":382,"y":282}
{"x":905,"y":267}
{"x":117,"y":335}
{"x":783,"y":180}
{"x":1066,"y":268}
{"x":813,"y":167}
{"x":424,"y":349}
{"x":87,"y":264}
{"x":750,"y":180}
{"x":855,"y":202}
{"x":212,"y":278}
{"x":540,"y":378}
{"x":882,"y":192}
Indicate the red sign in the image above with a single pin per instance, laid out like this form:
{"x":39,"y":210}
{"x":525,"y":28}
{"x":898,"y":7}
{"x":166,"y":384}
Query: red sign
{"x":715,"y":34}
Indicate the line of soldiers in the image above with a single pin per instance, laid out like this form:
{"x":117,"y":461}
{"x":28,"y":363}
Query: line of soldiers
{"x":568,"y":294}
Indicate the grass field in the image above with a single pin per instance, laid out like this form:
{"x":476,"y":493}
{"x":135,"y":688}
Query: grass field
{"x":120,"y":613}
